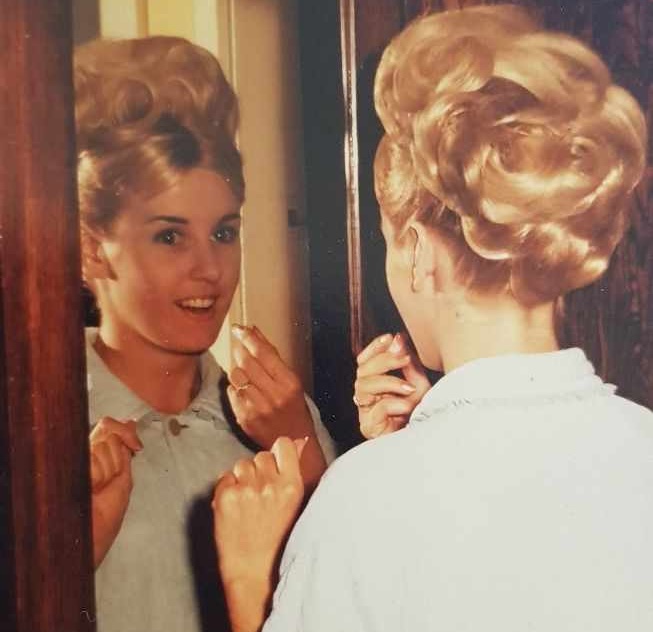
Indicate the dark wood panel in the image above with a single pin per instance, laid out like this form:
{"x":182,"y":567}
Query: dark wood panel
{"x":46,"y":551}
{"x":326,"y":216}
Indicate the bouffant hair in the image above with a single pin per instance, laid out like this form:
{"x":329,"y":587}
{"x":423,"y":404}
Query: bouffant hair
{"x":513,"y":142}
{"x":146,"y":111}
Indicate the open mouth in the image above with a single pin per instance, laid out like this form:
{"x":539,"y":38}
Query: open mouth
{"x":199,"y":305}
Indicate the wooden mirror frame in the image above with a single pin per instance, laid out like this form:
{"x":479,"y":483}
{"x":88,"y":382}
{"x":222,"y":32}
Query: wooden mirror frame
{"x":45,"y":548}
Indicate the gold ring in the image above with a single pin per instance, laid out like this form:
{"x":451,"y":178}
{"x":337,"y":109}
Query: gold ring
{"x":360,"y":404}
{"x":242,"y":387}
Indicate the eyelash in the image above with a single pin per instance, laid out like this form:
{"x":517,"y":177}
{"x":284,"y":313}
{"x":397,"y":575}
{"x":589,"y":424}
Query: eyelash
{"x":226,"y":234}
{"x":223,"y":234}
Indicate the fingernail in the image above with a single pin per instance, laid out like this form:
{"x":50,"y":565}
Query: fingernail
{"x":408,"y":388}
{"x":396,"y":347}
{"x":385,"y":339}
{"x":238,"y":331}
{"x":301,"y":444}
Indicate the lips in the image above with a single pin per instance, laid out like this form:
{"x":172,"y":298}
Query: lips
{"x":197,"y":304}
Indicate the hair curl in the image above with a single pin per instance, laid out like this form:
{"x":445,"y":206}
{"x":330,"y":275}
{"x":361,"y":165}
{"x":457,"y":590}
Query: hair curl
{"x":146,"y":110}
{"x":511,"y":140}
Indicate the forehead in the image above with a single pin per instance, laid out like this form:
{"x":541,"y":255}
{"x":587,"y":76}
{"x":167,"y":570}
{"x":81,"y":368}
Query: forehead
{"x":196,"y":195}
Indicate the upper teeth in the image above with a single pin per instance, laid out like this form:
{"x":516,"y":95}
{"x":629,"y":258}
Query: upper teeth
{"x":198,"y":302}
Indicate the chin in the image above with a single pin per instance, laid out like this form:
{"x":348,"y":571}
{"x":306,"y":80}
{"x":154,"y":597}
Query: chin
{"x":189,"y":345}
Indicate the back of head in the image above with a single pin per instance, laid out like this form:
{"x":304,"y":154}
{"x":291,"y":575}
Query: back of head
{"x":511,"y":140}
{"x":146,"y":110}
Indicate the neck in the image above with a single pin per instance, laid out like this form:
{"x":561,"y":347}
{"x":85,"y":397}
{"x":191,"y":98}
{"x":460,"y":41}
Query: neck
{"x":166,"y":381}
{"x":488,"y":327}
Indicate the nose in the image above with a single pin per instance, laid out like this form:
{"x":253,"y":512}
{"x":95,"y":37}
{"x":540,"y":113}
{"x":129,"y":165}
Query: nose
{"x":206,"y":264}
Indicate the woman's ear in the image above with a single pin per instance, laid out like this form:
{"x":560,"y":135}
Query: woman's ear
{"x":431,"y":262}
{"x":94,"y":263}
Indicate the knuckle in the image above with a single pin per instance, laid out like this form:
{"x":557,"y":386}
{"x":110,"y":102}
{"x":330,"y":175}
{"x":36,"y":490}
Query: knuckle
{"x":291,"y":491}
{"x":294,"y":384}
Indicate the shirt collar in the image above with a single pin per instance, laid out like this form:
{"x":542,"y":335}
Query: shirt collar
{"x":511,"y":377}
{"x":108,"y":393}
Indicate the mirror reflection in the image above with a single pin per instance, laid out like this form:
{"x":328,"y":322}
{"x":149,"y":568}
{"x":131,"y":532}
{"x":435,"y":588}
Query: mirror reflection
{"x":163,"y":202}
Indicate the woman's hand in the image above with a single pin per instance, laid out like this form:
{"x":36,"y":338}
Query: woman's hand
{"x":384,"y":401}
{"x":254,"y":507}
{"x":112,"y":445}
{"x":268,"y":399}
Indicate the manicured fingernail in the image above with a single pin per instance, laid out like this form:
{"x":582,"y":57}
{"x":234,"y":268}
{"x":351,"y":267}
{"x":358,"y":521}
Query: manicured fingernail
{"x":408,"y":388}
{"x":301,"y":444}
{"x":385,"y":339}
{"x":396,"y":346}
{"x":238,"y":331}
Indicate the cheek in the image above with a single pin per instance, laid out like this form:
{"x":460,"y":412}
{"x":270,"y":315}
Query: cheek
{"x":230,"y":266}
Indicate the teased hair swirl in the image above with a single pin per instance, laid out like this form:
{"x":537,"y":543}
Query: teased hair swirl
{"x":514,"y":142}
{"x":145,"y":111}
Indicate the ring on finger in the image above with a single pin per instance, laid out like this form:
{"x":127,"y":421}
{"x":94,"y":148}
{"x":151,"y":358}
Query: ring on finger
{"x":360,"y":404}
{"x":242,"y":387}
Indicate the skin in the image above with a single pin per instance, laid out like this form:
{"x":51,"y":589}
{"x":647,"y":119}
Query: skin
{"x":181,"y":244}
{"x":272,"y":394}
{"x":164,"y":274}
{"x":264,"y":493}
{"x":450,"y":325}
{"x":112,"y":445}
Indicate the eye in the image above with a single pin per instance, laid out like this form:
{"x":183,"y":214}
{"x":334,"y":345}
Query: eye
{"x":226,"y":234}
{"x":169,"y":237}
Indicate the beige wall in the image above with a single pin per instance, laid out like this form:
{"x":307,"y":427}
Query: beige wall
{"x":256,"y":42}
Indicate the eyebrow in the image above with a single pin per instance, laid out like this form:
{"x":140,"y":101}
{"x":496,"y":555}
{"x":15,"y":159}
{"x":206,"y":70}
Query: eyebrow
{"x":173,"y":219}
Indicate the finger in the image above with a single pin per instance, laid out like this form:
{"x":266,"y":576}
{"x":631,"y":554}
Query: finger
{"x":237,"y":403}
{"x":414,"y":371}
{"x":103,"y":428}
{"x":98,"y":475}
{"x":125,"y":430}
{"x":300,"y":444}
{"x":414,"y":374}
{"x":382,"y":363}
{"x":238,"y":378}
{"x":379,"y":344}
{"x":128,"y":434}
{"x":261,"y":348}
{"x":255,"y":371}
{"x":226,"y":482}
{"x":266,"y":465}
{"x":253,"y":402}
{"x":374,"y":422}
{"x":245,"y":472}
{"x":119,"y":453}
{"x":104,"y":461}
{"x":367,"y":388}
{"x":285,"y":454}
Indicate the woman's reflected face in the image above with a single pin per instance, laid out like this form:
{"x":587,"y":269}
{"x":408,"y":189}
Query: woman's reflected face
{"x":172,"y":264}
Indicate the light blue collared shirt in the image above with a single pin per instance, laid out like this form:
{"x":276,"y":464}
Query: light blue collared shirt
{"x":162,"y":559}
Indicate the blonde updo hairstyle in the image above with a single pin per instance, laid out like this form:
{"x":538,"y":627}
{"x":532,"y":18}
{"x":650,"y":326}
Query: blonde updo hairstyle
{"x":146,"y":111}
{"x":511,"y":141}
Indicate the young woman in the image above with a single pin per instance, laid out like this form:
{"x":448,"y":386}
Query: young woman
{"x":160,"y":191}
{"x":519,"y":495}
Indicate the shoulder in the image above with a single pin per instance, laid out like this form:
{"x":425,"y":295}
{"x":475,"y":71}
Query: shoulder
{"x":358,"y":484}
{"x":629,"y":423}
